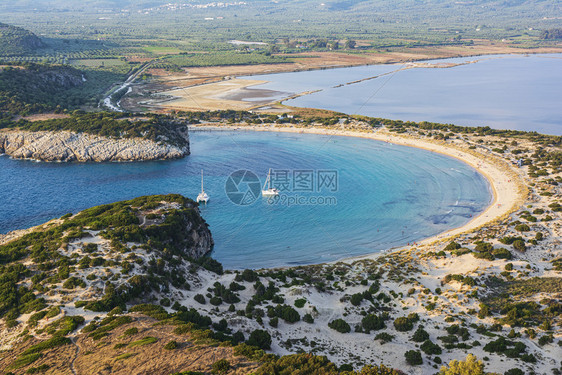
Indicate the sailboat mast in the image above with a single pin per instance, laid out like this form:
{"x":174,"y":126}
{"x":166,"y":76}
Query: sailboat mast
{"x":202,"y":191}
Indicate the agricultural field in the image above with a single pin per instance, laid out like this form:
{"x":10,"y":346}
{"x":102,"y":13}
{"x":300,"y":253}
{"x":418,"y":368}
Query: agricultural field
{"x":217,"y":58}
{"x":97,"y":63}
{"x":207,"y":26}
{"x":158,"y":50}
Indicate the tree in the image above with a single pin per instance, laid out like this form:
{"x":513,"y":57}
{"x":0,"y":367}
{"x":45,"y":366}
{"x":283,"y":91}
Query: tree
{"x":484,"y":311}
{"x":221,"y":366}
{"x":514,"y":371}
{"x":372,"y":323}
{"x":299,"y":364}
{"x":522,"y":228}
{"x":249,"y":276}
{"x":413,"y":357}
{"x":274,"y":322}
{"x":430,"y":348}
{"x":470,"y":366}
{"x":307,"y":318}
{"x":420,"y":335}
{"x":403,"y":324}
{"x":349,"y":44}
{"x":519,"y":245}
{"x":378,"y":370}
{"x":452,"y":246}
{"x":340,"y":325}
{"x":287,"y":313}
{"x":238,"y":337}
{"x":484,"y":247}
{"x":260,"y":339}
{"x":356,"y":299}
{"x":551,"y":34}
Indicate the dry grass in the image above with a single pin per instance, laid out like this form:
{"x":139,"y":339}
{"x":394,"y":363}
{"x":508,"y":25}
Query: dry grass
{"x":102,"y":357}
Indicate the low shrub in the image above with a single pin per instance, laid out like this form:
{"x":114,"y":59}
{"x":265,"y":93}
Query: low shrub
{"x":171,"y":345}
{"x":420,"y":335}
{"x":260,"y":339}
{"x":221,"y":366}
{"x":452,"y":246}
{"x":403,"y":324}
{"x":430,"y":348}
{"x":384,"y":337}
{"x":372,"y":323}
{"x":413,"y":357}
{"x":340,"y":325}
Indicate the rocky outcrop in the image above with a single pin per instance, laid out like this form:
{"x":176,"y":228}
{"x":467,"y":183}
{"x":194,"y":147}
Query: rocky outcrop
{"x":68,"y":146}
{"x":201,"y":236}
{"x":191,"y":237}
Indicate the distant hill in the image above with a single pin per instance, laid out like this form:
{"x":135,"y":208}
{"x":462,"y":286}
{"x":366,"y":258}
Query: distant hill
{"x":43,"y":5}
{"x":360,"y":19}
{"x":17,"y":41}
{"x":374,"y":6}
{"x":552,"y":34}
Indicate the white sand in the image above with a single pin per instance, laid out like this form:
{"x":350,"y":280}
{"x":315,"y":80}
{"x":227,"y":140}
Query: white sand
{"x":359,"y":348}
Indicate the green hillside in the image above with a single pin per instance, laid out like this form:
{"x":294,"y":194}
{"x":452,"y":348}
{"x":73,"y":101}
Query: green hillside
{"x":17,"y":41}
{"x":35,"y":88}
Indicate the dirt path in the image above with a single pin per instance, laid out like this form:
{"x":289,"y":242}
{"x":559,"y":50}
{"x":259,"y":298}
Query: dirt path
{"x":75,"y":356}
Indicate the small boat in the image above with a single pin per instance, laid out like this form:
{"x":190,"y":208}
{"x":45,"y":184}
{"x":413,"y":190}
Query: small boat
{"x":202,"y":197}
{"x":267,"y":190}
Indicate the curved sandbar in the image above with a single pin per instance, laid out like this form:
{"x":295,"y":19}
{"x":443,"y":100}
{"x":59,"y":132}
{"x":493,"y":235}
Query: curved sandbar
{"x":506,"y":183}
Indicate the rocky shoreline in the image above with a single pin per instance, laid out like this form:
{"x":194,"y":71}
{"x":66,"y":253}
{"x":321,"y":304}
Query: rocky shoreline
{"x":66,"y":146}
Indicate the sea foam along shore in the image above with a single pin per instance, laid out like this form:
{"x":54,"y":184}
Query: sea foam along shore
{"x":506,"y":183}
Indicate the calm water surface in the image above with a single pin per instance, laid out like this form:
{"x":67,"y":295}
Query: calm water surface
{"x":504,"y":92}
{"x":387,"y":195}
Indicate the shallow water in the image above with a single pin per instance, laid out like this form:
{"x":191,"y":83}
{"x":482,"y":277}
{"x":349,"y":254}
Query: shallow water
{"x":503,"y":92}
{"x":386,"y":195}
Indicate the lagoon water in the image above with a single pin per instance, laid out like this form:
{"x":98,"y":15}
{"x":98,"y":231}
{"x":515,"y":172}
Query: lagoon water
{"x":504,"y":92}
{"x":386,"y":196}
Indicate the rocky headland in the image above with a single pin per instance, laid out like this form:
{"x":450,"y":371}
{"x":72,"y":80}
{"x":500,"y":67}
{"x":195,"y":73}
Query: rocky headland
{"x":68,"y":146}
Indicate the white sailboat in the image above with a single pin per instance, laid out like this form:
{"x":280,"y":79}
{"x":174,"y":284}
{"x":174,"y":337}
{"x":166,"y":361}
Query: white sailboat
{"x":267,"y":190}
{"x":202,"y":197}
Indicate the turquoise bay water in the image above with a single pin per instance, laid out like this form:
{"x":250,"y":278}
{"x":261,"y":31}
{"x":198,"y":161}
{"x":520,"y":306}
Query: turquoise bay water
{"x":387,"y":195}
{"x":504,"y":92}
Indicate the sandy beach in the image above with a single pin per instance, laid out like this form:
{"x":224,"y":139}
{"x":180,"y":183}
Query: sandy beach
{"x":418,"y":278}
{"x":506,"y":183}
{"x":418,"y":262}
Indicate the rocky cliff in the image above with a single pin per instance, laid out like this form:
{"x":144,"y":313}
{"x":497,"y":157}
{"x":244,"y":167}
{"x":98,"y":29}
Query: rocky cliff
{"x":70,"y":146}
